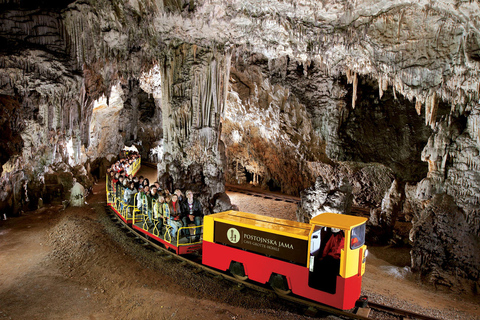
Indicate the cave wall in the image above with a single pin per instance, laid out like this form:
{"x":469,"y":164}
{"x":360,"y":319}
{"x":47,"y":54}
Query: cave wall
{"x":296,"y":79}
{"x":266,"y":127}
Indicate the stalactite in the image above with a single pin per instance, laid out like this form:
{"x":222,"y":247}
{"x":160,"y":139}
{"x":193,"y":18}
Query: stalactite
{"x":354,"y":94}
{"x":382,"y":85}
{"x":418,"y":106}
{"x":431,"y":107}
{"x":214,"y":97}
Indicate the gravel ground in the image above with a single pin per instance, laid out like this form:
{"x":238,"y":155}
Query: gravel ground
{"x":78,"y":264}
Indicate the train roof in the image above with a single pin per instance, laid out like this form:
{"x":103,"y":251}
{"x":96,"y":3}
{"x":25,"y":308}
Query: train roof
{"x":336,"y":220}
{"x":288,"y":227}
{"x":264,"y":223}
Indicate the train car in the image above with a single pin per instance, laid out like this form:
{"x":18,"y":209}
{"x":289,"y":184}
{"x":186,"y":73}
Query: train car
{"x":291,"y":256}
{"x":121,"y":209}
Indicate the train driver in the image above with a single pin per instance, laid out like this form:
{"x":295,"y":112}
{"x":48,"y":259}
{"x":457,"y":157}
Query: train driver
{"x":334,"y":245}
{"x":327,"y":264}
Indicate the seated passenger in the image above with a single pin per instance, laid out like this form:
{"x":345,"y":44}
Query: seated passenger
{"x":137,"y":184}
{"x":119,"y":191}
{"x":151,"y":199}
{"x":125,"y":184}
{"x":174,"y":215}
{"x":158,"y":211}
{"x":192,"y":209}
{"x":167,"y":193}
{"x":181,"y":197}
{"x":326,"y":266}
{"x":129,"y":196}
{"x":139,"y":197}
{"x":145,"y":195}
{"x":114,"y":182}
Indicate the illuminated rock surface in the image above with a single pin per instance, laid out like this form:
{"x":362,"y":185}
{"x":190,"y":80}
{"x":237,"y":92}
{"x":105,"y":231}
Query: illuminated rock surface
{"x":377,"y":99}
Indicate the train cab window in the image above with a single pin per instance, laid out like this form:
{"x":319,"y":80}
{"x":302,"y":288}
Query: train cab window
{"x":316,"y":241}
{"x":358,"y":237}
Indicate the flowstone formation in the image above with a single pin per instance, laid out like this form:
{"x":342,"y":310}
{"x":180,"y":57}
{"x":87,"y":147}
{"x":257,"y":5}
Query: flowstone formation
{"x":191,"y":92}
{"x":372,"y":104}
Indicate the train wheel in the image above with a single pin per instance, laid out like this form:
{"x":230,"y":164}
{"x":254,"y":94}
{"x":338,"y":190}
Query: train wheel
{"x":279,"y":284}
{"x":238,"y":271}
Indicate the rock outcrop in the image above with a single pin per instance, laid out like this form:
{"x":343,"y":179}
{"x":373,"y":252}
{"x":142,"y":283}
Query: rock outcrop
{"x":357,"y":94}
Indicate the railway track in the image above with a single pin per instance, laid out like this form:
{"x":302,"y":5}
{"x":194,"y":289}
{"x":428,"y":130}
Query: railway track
{"x":312,"y":308}
{"x":149,"y":164}
{"x":359,"y":211}
{"x":265,"y":195}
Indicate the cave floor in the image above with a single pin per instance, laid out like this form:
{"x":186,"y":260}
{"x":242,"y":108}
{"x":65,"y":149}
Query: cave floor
{"x":77,"y":264}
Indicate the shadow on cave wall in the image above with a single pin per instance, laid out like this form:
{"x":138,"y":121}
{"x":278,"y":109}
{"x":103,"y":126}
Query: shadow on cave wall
{"x":386,"y":130}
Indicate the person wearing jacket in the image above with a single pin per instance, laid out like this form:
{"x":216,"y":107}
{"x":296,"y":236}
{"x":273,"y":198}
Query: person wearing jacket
{"x":119,"y":192}
{"x":152,"y":197}
{"x":158,"y":211}
{"x":174,"y":215}
{"x":145,"y":196}
{"x":139,"y":197}
{"x":192,"y":213}
{"x":129,"y":197}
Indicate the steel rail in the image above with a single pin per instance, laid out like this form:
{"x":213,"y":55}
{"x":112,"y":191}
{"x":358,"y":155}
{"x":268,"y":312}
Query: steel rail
{"x":400,"y":312}
{"x":266,"y":195}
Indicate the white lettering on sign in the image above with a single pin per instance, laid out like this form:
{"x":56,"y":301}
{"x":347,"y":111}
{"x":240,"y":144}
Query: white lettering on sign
{"x":271,"y":243}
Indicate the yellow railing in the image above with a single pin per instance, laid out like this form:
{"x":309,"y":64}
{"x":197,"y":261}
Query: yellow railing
{"x":133,"y":169}
{"x":141,"y":219}
{"x":191,"y":231}
{"x":107,"y":184}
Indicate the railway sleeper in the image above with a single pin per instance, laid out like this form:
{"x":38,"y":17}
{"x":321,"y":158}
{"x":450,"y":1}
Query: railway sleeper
{"x":364,"y":312}
{"x":311,"y":312}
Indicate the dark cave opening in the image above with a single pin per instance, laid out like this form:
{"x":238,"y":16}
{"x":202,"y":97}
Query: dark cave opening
{"x":248,"y":176}
{"x":385,"y":130}
{"x":273,"y":185}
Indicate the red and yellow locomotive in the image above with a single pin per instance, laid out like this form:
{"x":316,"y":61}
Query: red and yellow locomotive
{"x":290,"y":255}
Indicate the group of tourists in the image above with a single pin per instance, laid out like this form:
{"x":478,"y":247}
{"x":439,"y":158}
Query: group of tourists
{"x":125,"y":165}
{"x":158,"y":207}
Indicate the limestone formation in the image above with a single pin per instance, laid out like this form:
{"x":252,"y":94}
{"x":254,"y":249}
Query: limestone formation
{"x":77,"y":195}
{"x":354,"y":95}
{"x":321,"y":198}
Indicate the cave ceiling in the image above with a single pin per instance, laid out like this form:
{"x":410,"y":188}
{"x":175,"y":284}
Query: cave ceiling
{"x":327,"y":76}
{"x":321,"y":62}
